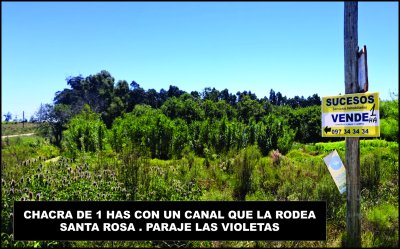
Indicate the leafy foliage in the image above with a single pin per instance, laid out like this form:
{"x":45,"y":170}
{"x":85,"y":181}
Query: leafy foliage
{"x":389,"y":112}
{"x":32,"y":166}
{"x":107,"y":141}
{"x":384,"y":222}
{"x":245,"y":164}
{"x":86,"y":133}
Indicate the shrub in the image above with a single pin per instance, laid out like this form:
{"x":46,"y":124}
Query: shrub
{"x":370,"y":172}
{"x":245,"y":163}
{"x":326,"y":190}
{"x":389,"y":129}
{"x":276,"y":157}
{"x":384,"y":223}
{"x":285,"y":141}
{"x":86,"y":133}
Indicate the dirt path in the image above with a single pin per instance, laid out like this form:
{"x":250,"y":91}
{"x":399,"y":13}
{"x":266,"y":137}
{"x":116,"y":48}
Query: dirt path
{"x":53,"y":160}
{"x":18,"y":135}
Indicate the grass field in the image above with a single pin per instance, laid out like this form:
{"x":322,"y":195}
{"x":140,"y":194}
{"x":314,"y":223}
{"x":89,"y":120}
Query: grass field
{"x":11,"y":128}
{"x":35,"y":170}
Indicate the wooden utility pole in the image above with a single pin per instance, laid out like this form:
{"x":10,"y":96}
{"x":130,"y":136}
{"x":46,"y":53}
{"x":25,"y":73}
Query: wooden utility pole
{"x":353,"y":218}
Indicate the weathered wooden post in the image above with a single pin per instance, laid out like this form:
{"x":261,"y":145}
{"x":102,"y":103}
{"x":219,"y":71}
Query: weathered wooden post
{"x":353,"y":218}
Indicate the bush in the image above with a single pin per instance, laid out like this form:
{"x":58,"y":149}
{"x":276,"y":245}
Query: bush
{"x":86,"y":133}
{"x":245,"y":163}
{"x":389,"y":129}
{"x":148,"y":129}
{"x":384,"y":223}
{"x":326,"y":190}
{"x":389,"y":114}
{"x":370,"y":172}
{"x":285,"y":141}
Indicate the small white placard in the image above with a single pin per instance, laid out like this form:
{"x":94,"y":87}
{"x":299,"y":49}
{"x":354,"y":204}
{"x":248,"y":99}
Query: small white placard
{"x":337,"y":170}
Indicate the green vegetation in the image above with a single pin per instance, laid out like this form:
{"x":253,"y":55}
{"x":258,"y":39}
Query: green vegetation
{"x":129,"y":175}
{"x":390,"y":120}
{"x":105,"y":142}
{"x":15,"y":128}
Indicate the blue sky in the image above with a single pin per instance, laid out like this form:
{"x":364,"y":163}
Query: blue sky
{"x":292,"y":47}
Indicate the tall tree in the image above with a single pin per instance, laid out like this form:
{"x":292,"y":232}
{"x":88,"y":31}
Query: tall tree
{"x":53,"y":120}
{"x":174,"y":91}
{"x":136,"y":96}
{"x":211,"y":94}
{"x":272,"y":97}
{"x":121,"y":90}
{"x":249,"y":108}
{"x":152,"y":98}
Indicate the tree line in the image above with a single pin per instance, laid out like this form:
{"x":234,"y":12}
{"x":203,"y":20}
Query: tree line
{"x":167,"y":122}
{"x":112,"y":99}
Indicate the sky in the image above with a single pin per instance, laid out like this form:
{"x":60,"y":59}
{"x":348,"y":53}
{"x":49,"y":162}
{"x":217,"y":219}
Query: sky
{"x":295,"y":48}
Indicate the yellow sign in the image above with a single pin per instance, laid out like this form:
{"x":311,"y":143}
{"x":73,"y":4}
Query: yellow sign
{"x":351,"y":115}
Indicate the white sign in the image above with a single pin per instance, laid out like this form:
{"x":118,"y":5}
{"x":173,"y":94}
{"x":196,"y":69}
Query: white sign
{"x":337,"y":170}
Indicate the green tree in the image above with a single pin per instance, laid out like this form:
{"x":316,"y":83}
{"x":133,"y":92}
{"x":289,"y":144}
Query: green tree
{"x":306,"y":122}
{"x":185,"y":107}
{"x":249,"y":108}
{"x":53,"y":121}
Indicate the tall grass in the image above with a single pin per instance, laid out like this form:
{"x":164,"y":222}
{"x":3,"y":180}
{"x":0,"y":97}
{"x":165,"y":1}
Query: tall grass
{"x":131,"y":175}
